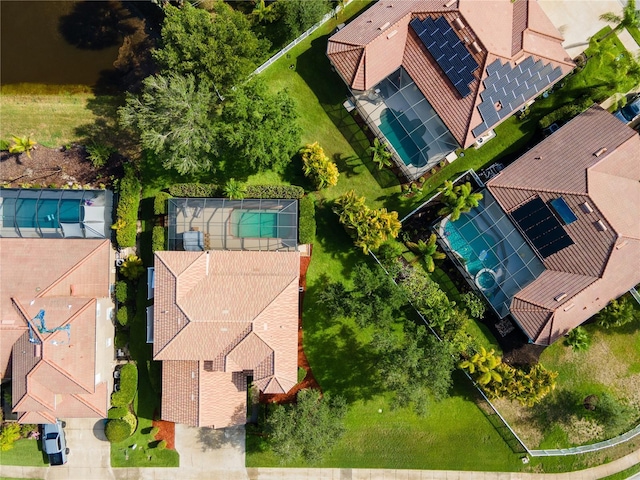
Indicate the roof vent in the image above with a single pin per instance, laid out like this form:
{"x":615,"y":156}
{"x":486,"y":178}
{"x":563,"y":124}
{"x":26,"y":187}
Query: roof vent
{"x":385,"y":26}
{"x":392,"y":34}
{"x":475,"y":47}
{"x":450,"y":3}
{"x":600,"y":152}
{"x":621,"y":244}
{"x":457,"y":23}
{"x":586,"y":208}
{"x":569,"y":307}
{"x":560,"y":296}
{"x":601,"y":226}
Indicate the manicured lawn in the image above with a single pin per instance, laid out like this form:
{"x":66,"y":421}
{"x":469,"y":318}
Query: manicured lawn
{"x":25,"y":452}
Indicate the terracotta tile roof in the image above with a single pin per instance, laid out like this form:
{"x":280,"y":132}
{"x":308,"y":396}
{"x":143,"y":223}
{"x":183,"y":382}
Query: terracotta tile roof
{"x":219,"y":314}
{"x":223,"y":399}
{"x":593,"y":163}
{"x":36,"y":418}
{"x":63,"y":277}
{"x":380,"y":40}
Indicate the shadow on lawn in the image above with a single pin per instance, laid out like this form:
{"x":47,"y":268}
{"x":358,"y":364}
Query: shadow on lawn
{"x":334,"y":240}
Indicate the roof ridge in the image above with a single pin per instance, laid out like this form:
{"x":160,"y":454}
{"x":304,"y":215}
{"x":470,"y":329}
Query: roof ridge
{"x":88,"y":404}
{"x":271,"y":302}
{"x":529,"y":302}
{"x":28,"y":394}
{"x":74,"y":268}
{"x":22,"y":311}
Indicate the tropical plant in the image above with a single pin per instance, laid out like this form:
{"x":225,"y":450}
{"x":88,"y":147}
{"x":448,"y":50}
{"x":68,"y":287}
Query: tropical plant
{"x":428,"y":251}
{"x":99,"y":153}
{"x":381,"y":156}
{"x":458,"y":199}
{"x":483,"y":366}
{"x":474,"y":304}
{"x":263,"y":12}
{"x":577,"y":339}
{"x":318,"y":167}
{"x":630,"y":18}
{"x":234,"y":189}
{"x":132,"y":268}
{"x":618,"y":313}
{"x":22,"y":145}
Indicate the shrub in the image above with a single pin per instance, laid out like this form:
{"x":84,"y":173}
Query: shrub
{"x":132,"y":268}
{"x":117,"y":430}
{"x":274,"y":191}
{"x":474,"y":305}
{"x":154,"y":431}
{"x":123,"y":315}
{"x":117,"y":412}
{"x":160,"y":203}
{"x":194,"y":190}
{"x":127,"y":211}
{"x":8,"y":435}
{"x":566,"y":112}
{"x":162,"y":444}
{"x":578,"y":339}
{"x":157,"y":238}
{"x":131,"y":420}
{"x":99,"y":153}
{"x":26,"y":429}
{"x":307,"y":220}
{"x":317,"y":166}
{"x":122,"y":291}
{"x":128,"y":386}
{"x":612,"y":414}
{"x":617,"y":313}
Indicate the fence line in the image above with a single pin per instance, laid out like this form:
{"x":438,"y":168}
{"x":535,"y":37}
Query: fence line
{"x":612,"y":442}
{"x":333,"y":13}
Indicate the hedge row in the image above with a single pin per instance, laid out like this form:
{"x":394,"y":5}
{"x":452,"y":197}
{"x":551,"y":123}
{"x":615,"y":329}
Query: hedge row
{"x":157,"y":239}
{"x":274,"y":191}
{"x":122,"y":291}
{"x":194,"y":190}
{"x":128,"y":386}
{"x":127,"y":212}
{"x":307,"y":220}
{"x":124,"y":314}
{"x":160,"y":203}
{"x":567,"y":112}
{"x":117,"y":412}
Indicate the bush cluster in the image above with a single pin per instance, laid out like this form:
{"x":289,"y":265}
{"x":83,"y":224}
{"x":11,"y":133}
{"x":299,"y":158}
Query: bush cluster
{"x":567,"y":112}
{"x":160,"y":203}
{"x":123,"y":315}
{"x":127,"y":212}
{"x":131,"y":420}
{"x":132,"y":268}
{"x":99,"y":153}
{"x":157,"y":238}
{"x":117,"y":412}
{"x":194,"y":190}
{"x":117,"y":430}
{"x":122,"y":291}
{"x":162,"y":444}
{"x":274,"y":191}
{"x":128,"y":386}
{"x":307,"y":220}
{"x":317,"y":166}
{"x":9,"y":433}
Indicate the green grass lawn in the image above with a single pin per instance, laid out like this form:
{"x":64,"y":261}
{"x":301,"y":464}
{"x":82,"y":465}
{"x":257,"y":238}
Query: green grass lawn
{"x":25,"y":452}
{"x":623,"y":475}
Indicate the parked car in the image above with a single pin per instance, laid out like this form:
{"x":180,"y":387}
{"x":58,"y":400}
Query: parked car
{"x":54,"y":443}
{"x":629,"y":112}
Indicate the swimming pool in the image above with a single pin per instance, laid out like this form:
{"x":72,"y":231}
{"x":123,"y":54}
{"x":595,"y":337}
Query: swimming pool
{"x":254,"y":224}
{"x":42,"y":213}
{"x":475,"y":252}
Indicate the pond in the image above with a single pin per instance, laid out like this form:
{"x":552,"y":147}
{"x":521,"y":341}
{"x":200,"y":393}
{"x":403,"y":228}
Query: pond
{"x":58,"y":42}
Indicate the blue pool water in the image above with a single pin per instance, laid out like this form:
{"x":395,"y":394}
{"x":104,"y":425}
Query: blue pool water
{"x":476,"y":251}
{"x":486,"y":280}
{"x":45,"y":213}
{"x":407,"y":146}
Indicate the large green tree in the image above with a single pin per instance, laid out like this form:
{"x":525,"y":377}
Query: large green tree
{"x":217,"y":46}
{"x":296,"y":16}
{"x":308,"y":428}
{"x":172,"y":117}
{"x":259,"y":128}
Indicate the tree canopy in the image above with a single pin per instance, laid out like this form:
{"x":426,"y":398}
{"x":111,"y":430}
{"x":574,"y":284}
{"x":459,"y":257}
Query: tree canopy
{"x":216,"y":46}
{"x":296,"y":16}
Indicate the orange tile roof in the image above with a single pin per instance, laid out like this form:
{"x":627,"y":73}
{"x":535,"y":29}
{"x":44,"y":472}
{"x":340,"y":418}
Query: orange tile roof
{"x":63,"y":277}
{"x":218,"y":314}
{"x":379,"y":41}
{"x":593,"y":162}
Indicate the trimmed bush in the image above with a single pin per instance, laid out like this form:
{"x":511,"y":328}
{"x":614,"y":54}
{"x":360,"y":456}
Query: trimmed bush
{"x":567,"y":112}
{"x":128,"y":386}
{"x":132,"y":268}
{"x":162,"y":444}
{"x":122,"y":291}
{"x":160,"y":203}
{"x":307,"y":220}
{"x":274,"y":191}
{"x":127,"y":212}
{"x":154,"y":431}
{"x":117,"y":412}
{"x":123,"y":315}
{"x":194,"y":190}
{"x":157,"y":238}
{"x":131,"y":420}
{"x":117,"y":430}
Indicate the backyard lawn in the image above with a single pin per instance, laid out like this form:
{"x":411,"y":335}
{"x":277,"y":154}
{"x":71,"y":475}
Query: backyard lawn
{"x":26,"y":452}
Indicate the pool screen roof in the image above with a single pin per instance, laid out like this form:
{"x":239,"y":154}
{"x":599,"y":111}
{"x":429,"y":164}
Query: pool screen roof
{"x":197,"y":224}
{"x":541,"y":227}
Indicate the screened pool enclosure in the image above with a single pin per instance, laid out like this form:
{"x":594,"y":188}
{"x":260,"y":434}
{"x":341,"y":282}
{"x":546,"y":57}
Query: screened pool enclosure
{"x":197,"y":224}
{"x":48,"y":213}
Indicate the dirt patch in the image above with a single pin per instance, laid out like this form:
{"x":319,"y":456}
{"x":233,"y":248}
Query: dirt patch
{"x":166,"y":431}
{"x":309,"y":380}
{"x":54,"y":168}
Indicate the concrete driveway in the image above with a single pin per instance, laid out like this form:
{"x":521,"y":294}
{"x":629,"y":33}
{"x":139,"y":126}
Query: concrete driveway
{"x":579,"y":20}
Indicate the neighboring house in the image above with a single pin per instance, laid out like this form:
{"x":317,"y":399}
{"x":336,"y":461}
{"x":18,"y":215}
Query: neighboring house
{"x":432,"y":76}
{"x":557,"y":234}
{"x":56,"y":330}
{"x":223,"y":319}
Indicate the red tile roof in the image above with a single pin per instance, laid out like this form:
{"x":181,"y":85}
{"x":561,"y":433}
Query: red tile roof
{"x":63,"y":277}
{"x":593,"y":162}
{"x":218,"y":314}
{"x":379,"y":41}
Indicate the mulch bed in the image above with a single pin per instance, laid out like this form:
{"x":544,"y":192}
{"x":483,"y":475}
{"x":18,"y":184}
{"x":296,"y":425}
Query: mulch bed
{"x":309,"y":381}
{"x":167,"y":431}
{"x":53,"y":168}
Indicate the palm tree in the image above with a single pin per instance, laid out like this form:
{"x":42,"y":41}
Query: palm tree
{"x":484,"y":365}
{"x":381,"y":156}
{"x":578,"y":339}
{"x":428,"y":251}
{"x":630,"y":18}
{"x":22,"y":145}
{"x":234,"y":189}
{"x":263,"y":12}
{"x":458,"y":200}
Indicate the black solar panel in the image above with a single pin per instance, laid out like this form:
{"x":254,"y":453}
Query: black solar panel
{"x":448,"y":51}
{"x":541,"y":227}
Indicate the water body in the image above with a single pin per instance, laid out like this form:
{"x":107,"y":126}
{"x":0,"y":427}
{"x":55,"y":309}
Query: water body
{"x":57,"y":42}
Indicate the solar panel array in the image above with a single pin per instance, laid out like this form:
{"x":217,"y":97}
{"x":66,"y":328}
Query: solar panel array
{"x":448,"y":51}
{"x":511,"y":87}
{"x":541,"y":227}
